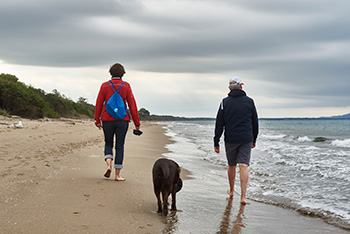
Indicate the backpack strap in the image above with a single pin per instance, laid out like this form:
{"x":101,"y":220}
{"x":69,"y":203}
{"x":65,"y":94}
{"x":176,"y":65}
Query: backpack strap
{"x":113,"y":87}
{"x":121,"y":85}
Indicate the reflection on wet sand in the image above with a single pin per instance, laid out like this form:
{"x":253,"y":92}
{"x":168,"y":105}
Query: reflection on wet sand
{"x":237,"y":223}
{"x":170,"y":221}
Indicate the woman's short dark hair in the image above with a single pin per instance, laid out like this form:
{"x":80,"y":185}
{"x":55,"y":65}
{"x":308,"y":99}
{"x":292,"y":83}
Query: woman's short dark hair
{"x":117,"y":70}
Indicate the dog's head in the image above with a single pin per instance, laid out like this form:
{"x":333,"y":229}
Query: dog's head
{"x":179,"y":185}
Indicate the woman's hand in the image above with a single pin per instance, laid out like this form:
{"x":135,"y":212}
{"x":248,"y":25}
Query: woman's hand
{"x":99,"y":126}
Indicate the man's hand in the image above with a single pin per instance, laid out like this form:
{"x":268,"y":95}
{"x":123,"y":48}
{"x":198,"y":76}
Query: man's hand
{"x":99,"y":126}
{"x":253,"y":145}
{"x":217,"y":149}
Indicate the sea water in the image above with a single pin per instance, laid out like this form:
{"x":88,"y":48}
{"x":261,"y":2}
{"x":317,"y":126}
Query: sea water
{"x":302,"y":165}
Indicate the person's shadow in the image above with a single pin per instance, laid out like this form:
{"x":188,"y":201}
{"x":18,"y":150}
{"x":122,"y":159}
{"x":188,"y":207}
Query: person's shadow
{"x":237,"y":223}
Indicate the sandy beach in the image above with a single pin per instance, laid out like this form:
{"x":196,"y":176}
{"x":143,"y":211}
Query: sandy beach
{"x":51,"y":179}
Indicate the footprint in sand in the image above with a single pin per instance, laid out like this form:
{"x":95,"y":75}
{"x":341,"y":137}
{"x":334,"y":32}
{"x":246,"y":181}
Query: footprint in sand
{"x":84,"y":227}
{"x":87,"y":196}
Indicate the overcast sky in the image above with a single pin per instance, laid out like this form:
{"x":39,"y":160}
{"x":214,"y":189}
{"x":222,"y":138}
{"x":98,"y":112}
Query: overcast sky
{"x":293,"y":56}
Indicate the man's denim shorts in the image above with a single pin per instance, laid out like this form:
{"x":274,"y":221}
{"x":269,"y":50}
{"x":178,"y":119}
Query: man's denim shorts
{"x":238,"y":153}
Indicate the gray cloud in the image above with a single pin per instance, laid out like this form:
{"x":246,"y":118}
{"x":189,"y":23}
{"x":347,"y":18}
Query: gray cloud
{"x":300,"y":47}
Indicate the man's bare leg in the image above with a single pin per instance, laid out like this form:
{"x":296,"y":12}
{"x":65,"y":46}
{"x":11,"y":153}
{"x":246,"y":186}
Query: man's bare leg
{"x":231,"y":172}
{"x":243,"y":171}
{"x":117,"y":175}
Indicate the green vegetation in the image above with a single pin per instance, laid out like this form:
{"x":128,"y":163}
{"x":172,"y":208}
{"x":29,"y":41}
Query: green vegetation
{"x":17,"y":98}
{"x":145,"y":115}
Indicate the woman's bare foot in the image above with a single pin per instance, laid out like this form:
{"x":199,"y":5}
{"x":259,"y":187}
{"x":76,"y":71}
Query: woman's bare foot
{"x":243,"y":202}
{"x":118,"y":178}
{"x":230,"y":193}
{"x":108,"y":173}
{"x":109,"y":168}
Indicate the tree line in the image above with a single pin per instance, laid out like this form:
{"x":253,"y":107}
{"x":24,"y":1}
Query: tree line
{"x":17,"y":98}
{"x":146,"y":115}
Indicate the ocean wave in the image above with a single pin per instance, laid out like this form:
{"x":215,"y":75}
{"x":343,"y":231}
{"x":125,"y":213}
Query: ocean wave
{"x":303,"y":139}
{"x":339,"y":174}
{"x":272,"y":137}
{"x":341,"y":143}
{"x":336,"y":217}
{"x":307,"y":167}
{"x":330,"y":214}
{"x":216,"y":160}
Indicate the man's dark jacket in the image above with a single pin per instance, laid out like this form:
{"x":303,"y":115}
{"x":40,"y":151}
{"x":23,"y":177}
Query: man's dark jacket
{"x":237,"y":115}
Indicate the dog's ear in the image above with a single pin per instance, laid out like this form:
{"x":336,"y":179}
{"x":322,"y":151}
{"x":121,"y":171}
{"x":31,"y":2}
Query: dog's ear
{"x":179,"y":185}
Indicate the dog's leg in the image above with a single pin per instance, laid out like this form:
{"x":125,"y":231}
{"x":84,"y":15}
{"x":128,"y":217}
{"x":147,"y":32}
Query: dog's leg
{"x":173,"y":197}
{"x":165,"y":202}
{"x":157,"y":192}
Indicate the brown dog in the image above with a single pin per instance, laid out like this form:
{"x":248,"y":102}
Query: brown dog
{"x":166,"y":179}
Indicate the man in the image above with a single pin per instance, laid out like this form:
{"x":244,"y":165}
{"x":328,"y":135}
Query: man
{"x":238,"y":117}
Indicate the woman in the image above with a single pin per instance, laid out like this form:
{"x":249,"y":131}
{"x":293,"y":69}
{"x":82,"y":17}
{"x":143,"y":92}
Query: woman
{"x":115,"y":127}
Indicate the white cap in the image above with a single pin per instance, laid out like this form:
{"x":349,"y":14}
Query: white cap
{"x":235,"y":81}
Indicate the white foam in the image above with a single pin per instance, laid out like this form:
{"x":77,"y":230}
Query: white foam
{"x":341,"y":143}
{"x":316,"y":206}
{"x":272,"y":137}
{"x":303,"y":139}
{"x":306,"y":167}
{"x":216,"y":160}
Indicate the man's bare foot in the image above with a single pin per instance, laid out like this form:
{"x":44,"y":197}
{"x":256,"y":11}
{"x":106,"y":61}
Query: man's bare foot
{"x":230,"y":193}
{"x":118,"y":178}
{"x":243,"y":202}
{"x":108,"y":173}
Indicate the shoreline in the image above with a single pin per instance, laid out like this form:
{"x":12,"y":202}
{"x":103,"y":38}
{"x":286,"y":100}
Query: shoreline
{"x":204,"y":197}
